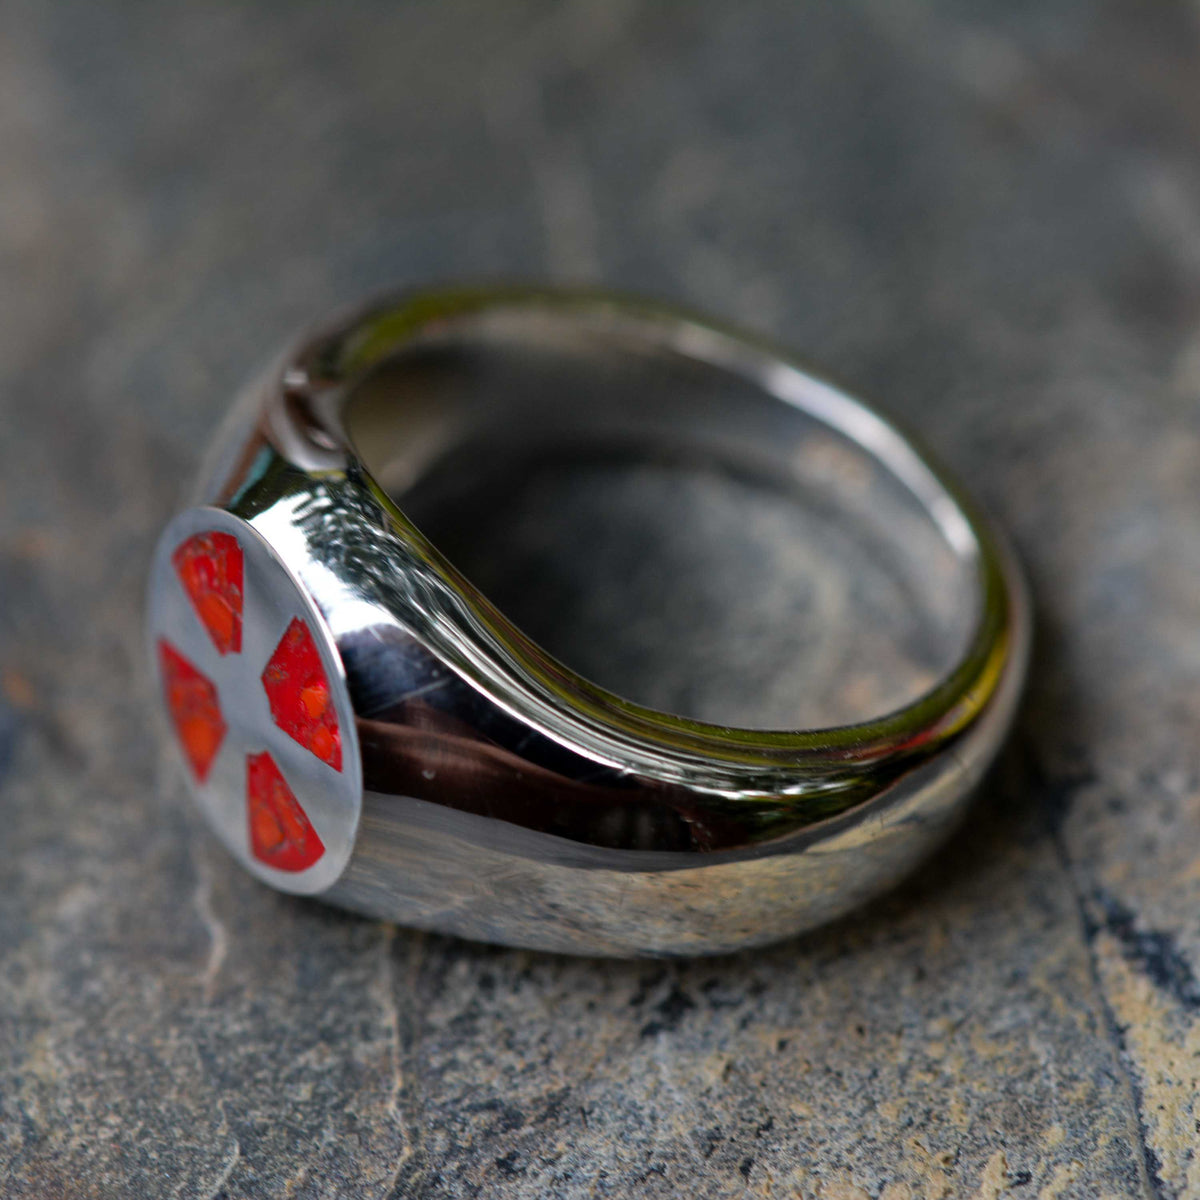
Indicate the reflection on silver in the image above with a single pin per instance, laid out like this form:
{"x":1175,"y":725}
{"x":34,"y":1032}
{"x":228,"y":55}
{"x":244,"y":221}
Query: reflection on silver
{"x":505,"y":797}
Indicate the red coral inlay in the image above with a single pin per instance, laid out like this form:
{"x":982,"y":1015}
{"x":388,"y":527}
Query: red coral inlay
{"x":298,"y":692}
{"x":194,"y":707}
{"x":281,"y":835}
{"x":210,"y":567}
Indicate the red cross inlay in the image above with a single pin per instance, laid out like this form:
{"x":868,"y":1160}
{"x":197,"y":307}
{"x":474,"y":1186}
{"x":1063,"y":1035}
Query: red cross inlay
{"x":298,"y":693}
{"x":210,"y":568}
{"x":280,"y":833}
{"x":194,"y":707}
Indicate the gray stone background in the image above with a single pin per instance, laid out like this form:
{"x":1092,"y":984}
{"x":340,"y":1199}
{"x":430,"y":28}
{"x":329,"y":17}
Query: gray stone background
{"x":986,"y":214}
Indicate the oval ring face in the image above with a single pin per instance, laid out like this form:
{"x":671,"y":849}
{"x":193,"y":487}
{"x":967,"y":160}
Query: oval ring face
{"x":255,"y":694}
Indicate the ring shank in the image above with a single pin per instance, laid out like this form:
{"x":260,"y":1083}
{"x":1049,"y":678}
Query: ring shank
{"x":457,"y":416}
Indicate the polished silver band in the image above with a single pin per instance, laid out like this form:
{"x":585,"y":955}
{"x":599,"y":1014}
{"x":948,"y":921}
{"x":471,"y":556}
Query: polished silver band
{"x":360,"y":723}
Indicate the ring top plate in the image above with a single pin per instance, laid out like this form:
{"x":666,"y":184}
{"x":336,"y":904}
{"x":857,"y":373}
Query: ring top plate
{"x":255,"y":693}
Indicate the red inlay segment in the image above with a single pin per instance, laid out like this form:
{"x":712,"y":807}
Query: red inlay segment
{"x":195,"y":710}
{"x":299,"y":695}
{"x":210,"y":568}
{"x":281,"y":834}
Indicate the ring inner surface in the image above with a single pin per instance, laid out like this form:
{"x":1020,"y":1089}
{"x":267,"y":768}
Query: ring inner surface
{"x":664,"y":526}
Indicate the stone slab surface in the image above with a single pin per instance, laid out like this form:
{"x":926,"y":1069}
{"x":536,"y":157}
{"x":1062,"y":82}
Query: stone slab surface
{"x":986,"y":215}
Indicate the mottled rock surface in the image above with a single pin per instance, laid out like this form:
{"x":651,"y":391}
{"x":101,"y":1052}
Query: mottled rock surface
{"x":986,"y":215}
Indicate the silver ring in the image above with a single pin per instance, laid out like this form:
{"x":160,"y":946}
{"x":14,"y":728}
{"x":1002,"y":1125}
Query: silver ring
{"x":357,"y":722}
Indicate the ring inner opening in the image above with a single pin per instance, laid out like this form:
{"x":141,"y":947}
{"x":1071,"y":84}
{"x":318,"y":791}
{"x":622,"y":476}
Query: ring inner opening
{"x":662,"y":525}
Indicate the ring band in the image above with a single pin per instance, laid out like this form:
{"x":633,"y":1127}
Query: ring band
{"x":357,"y":722}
